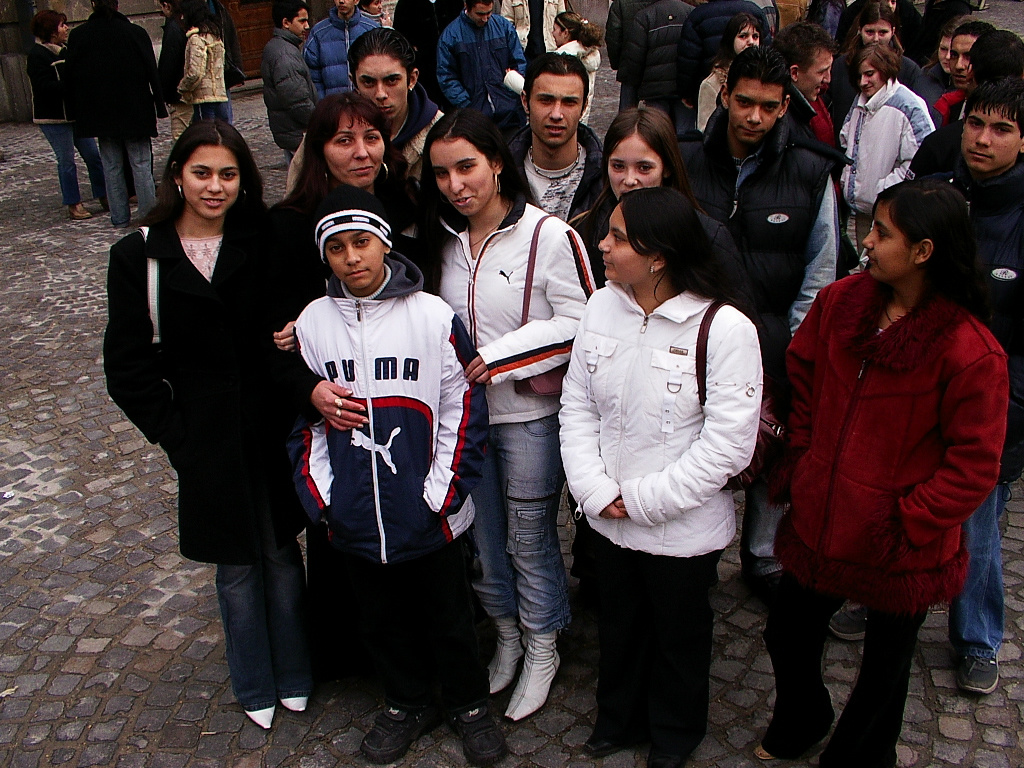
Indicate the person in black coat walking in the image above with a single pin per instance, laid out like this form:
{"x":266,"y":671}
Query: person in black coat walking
{"x":196,"y":371}
{"x":171,"y":66}
{"x":115,"y":92}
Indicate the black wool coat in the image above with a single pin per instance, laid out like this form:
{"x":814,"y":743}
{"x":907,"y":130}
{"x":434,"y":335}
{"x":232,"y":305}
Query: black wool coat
{"x":112,"y":78}
{"x":215,"y":393}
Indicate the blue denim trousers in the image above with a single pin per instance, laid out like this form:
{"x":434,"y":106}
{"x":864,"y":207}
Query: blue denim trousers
{"x":760,"y":522}
{"x":262,"y":608}
{"x":516,"y":527}
{"x":140,"y":158}
{"x":64,"y":142}
{"x":212,"y":110}
{"x":976,"y":616}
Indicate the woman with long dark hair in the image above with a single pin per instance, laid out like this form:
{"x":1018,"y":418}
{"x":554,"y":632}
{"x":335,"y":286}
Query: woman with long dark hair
{"x":186,"y":330}
{"x":641,"y":150}
{"x":648,"y":463}
{"x":741,"y":32}
{"x":895,"y":435}
{"x":482,"y":233}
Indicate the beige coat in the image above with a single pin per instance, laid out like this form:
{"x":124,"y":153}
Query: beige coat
{"x":203,"y":81}
{"x":518,"y":12}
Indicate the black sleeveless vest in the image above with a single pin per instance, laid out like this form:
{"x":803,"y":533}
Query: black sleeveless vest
{"x":770,"y":219}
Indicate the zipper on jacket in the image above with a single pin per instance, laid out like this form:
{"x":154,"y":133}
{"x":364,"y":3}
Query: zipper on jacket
{"x":474,"y":265}
{"x":373,"y":439}
{"x":623,"y":397}
{"x":840,"y":445}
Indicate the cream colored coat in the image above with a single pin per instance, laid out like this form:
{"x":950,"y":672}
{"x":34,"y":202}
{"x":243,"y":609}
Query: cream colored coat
{"x":203,"y":81}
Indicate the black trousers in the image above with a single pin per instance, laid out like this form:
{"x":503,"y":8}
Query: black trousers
{"x":417,"y":622}
{"x":867,"y":731}
{"x":655,"y":626}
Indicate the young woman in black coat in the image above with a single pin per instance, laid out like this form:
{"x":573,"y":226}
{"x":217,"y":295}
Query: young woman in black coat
{"x":193,"y":368}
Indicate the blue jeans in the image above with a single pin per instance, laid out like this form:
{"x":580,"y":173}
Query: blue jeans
{"x":516,"y":528}
{"x":760,"y":522}
{"x":976,"y":615}
{"x":213,"y":110}
{"x":261,"y":606}
{"x":140,"y":157}
{"x":64,"y":142}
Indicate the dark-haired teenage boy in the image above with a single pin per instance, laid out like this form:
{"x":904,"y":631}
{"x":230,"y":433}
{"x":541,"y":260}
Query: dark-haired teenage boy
{"x":772,"y":189}
{"x":990,"y":173}
{"x":559,"y":157}
{"x":995,"y":54}
{"x":288,"y":90}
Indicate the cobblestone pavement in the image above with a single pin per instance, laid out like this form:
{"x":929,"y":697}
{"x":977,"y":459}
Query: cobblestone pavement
{"x":111,"y":652}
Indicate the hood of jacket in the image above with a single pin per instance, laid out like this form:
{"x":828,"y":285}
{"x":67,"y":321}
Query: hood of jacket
{"x":421,"y":112}
{"x":406,"y":278}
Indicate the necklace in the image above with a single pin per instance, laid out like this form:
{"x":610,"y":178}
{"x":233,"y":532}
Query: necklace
{"x":474,"y":243}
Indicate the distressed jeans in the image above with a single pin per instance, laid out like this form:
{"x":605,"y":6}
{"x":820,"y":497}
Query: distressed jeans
{"x":516,"y":528}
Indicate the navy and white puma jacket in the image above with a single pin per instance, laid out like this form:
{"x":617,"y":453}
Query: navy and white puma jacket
{"x":397,"y":488}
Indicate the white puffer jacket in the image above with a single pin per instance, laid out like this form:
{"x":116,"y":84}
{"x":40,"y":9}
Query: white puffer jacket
{"x":487,"y":295}
{"x":632,"y":425}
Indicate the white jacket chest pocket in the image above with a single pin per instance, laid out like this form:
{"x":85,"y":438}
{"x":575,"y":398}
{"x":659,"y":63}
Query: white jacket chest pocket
{"x":674,"y":384}
{"x":597,"y":351}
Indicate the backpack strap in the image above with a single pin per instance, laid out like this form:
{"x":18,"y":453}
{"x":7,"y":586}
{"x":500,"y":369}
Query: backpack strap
{"x":530,"y":266}
{"x":152,"y":288}
{"x":702,"y":350}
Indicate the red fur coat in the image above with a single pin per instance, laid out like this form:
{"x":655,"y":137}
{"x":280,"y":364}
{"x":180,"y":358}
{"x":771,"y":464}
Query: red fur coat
{"x":894,"y":440}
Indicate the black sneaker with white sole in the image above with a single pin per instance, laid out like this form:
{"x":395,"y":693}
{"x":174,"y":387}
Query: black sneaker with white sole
{"x":977,"y":675}
{"x":394,"y":732}
{"x":482,"y":741}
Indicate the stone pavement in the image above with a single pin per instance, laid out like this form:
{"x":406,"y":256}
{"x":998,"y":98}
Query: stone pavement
{"x":111,"y":652}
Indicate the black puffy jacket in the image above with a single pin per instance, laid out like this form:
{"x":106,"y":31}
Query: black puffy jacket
{"x":770,"y":219}
{"x":648,"y":59}
{"x":702,"y":33}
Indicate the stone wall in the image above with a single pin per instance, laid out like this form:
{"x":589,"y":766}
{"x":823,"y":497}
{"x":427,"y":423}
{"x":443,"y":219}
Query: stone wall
{"x":15,"y":91}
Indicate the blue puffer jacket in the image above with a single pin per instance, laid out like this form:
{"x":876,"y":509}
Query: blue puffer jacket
{"x":471,"y":66}
{"x":702,"y":33}
{"x":326,"y":51}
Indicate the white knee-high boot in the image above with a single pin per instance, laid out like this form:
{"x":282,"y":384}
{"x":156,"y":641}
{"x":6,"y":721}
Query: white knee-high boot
{"x":502,"y":669}
{"x":538,"y":672}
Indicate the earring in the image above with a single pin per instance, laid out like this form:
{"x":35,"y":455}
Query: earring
{"x":180,"y":193}
{"x":497,"y":185}
{"x":384,"y":167}
{"x":652,"y":269}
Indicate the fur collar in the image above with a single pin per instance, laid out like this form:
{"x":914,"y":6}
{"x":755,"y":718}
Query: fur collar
{"x":916,"y":339}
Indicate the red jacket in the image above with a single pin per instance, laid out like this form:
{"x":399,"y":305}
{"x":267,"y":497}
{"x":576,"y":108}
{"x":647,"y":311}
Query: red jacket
{"x":894,"y":441}
{"x":949,"y":106}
